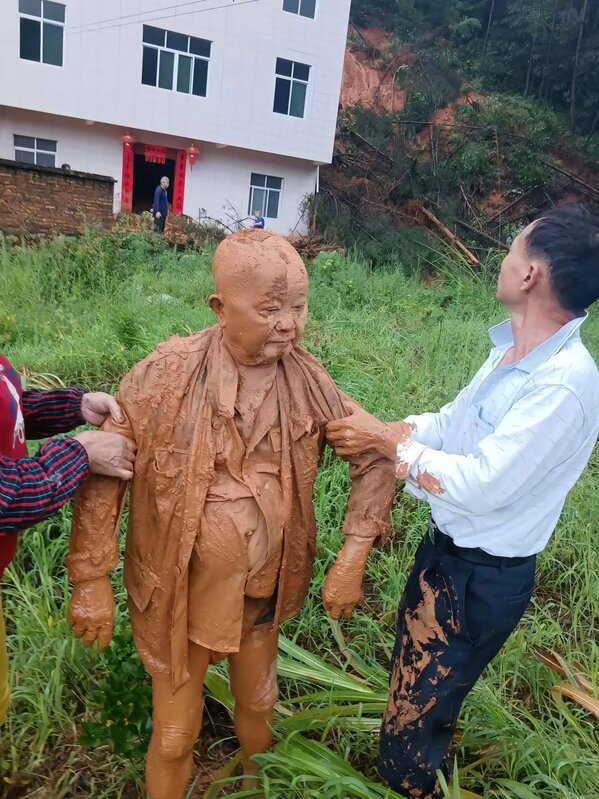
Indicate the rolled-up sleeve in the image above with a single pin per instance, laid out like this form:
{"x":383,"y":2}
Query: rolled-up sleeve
{"x":541,"y":430}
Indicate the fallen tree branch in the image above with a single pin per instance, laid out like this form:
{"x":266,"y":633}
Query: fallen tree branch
{"x":470,"y":208}
{"x":495,"y":242}
{"x":573,"y":178}
{"x":373,"y":147}
{"x":449,"y":235}
{"x":511,"y":205}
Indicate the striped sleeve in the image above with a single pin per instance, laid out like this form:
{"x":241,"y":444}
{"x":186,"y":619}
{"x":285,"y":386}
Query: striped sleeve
{"x":48,"y":413}
{"x":31,"y":489}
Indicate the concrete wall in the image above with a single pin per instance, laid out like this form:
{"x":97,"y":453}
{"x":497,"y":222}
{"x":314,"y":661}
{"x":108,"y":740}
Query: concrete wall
{"x":38,"y":199}
{"x":100,"y":79}
{"x":218,"y":183}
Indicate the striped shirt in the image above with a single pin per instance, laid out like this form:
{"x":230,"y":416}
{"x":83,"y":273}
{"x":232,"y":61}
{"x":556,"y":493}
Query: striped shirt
{"x":32,"y":488}
{"x":496,"y":464}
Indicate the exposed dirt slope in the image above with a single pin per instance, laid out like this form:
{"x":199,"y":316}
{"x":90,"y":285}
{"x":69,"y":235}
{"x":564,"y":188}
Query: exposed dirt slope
{"x":369,"y":73}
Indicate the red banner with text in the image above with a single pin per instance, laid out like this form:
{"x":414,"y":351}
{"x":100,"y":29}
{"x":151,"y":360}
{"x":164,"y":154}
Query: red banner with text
{"x":127,"y":179}
{"x":155,"y":154}
{"x":179,"y":187}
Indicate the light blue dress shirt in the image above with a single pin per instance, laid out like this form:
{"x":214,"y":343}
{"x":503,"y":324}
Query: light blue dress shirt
{"x":509,"y":448}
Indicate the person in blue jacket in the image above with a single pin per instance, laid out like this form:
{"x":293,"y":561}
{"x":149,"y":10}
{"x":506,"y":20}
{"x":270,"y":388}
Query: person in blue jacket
{"x":160,"y":205}
{"x":259,"y":223}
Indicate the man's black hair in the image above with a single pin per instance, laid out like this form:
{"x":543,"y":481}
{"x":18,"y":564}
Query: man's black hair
{"x":567,"y":239}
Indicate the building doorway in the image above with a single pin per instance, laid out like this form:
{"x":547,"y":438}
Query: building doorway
{"x":146,"y":176}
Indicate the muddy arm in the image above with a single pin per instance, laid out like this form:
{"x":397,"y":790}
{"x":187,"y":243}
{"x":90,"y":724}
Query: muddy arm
{"x":97,"y":510}
{"x":94,"y":545}
{"x":367,"y":523}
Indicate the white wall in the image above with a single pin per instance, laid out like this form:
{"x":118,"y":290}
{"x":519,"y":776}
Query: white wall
{"x":218,"y":183}
{"x":101,"y":76}
{"x":96,"y":148}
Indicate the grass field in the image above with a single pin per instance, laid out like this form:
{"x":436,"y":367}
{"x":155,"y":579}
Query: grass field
{"x":83,"y":312}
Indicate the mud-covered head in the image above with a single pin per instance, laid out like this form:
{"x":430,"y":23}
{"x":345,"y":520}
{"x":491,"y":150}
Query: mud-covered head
{"x":261,"y":298}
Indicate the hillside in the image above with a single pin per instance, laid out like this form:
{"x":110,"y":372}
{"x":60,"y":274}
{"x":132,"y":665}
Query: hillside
{"x":423,"y":149}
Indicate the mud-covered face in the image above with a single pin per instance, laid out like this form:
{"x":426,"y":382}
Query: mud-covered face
{"x":263,"y":318}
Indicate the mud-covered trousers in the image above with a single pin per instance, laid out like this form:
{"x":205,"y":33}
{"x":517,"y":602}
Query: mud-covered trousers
{"x":458,"y":608}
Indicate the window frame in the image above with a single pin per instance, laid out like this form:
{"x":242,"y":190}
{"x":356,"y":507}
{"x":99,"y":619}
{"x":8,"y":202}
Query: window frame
{"x":42,"y":20}
{"x":35,"y":149}
{"x":298,"y":13}
{"x":255,"y":186}
{"x":292,"y":81}
{"x":177,"y":54}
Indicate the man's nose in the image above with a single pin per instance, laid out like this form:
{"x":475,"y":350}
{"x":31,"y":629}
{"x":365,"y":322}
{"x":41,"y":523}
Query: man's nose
{"x":285,"y":322}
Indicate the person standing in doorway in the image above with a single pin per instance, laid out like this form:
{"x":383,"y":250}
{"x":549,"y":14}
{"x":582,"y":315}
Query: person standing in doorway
{"x":495,"y":467}
{"x":160,"y":206}
{"x":258,"y":220}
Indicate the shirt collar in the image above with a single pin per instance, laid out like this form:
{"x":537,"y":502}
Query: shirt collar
{"x":501,"y":335}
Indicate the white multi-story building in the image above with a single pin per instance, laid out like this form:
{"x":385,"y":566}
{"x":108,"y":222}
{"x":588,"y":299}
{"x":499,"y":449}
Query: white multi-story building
{"x":235,"y":100}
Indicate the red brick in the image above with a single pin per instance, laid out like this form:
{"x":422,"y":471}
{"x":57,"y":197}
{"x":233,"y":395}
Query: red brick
{"x":36,"y":199}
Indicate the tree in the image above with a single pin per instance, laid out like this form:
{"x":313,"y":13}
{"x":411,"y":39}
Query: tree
{"x":576,"y":63}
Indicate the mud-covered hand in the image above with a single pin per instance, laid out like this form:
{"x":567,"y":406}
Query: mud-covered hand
{"x":91,"y":611}
{"x":362,"y":432}
{"x":342,"y":589}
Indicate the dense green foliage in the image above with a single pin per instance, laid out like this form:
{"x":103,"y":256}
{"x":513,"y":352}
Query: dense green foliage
{"x":545,"y":49}
{"x":85,"y":311}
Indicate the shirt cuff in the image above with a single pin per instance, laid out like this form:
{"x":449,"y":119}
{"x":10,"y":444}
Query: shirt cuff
{"x":77,"y":446}
{"x":407,"y":455}
{"x":74,"y":402}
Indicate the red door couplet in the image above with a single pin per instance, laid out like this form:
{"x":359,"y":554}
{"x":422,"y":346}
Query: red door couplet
{"x":153,"y":154}
{"x":179,"y":187}
{"x":127,"y":178}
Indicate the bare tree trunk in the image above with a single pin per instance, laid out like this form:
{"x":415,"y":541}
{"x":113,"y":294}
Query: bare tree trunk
{"x":576,"y":63}
{"x":544,"y":90}
{"x":532,"y":50}
{"x":594,"y":125}
{"x":489,"y":23}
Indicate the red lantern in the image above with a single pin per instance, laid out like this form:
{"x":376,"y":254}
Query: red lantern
{"x":128,"y":140}
{"x":192,"y":155}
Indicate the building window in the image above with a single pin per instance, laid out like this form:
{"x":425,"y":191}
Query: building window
{"x":42,"y":31}
{"x":291,"y":87}
{"x":175,"y":61}
{"x":30,"y":150}
{"x":265,"y":195}
{"x":305,"y":8}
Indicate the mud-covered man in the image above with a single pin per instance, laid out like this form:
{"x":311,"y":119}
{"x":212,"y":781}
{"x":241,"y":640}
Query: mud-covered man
{"x":495,"y":466}
{"x":229,"y":425}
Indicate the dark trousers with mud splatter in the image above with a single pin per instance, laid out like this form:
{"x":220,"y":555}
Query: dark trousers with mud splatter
{"x":458,"y":608}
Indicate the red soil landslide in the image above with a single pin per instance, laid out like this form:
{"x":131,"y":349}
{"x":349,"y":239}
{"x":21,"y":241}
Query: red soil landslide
{"x":365,"y":83}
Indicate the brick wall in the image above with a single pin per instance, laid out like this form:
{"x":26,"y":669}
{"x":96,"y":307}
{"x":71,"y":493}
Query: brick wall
{"x":39,"y":199}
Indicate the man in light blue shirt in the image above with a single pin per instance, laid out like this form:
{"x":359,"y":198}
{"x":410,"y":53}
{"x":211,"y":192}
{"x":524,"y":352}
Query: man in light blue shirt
{"x":495,"y":466}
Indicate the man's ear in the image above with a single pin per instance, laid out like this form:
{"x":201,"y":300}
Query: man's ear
{"x":535,"y":273}
{"x":216,"y":305}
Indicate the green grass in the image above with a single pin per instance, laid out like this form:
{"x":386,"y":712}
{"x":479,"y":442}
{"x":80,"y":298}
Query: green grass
{"x":86,"y":310}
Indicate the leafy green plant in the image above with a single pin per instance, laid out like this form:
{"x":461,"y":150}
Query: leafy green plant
{"x":121,"y":702}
